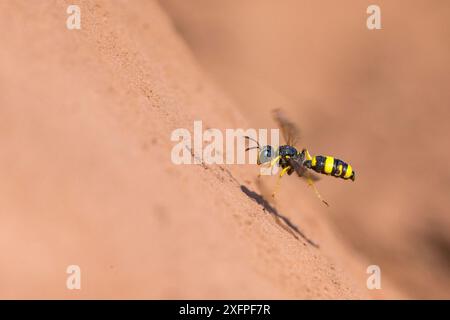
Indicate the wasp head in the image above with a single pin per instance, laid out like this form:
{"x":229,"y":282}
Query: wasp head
{"x":266,"y":154}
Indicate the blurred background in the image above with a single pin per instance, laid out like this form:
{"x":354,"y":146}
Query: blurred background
{"x":378,"y":99}
{"x":86,"y":176}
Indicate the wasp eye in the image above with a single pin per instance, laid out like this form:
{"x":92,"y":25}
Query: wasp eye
{"x":265,"y":155}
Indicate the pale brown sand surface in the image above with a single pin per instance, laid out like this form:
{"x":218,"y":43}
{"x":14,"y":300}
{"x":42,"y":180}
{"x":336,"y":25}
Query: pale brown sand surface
{"x":86,"y":176}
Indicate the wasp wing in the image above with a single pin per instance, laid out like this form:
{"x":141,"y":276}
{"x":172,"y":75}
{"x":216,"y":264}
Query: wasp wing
{"x":301,"y":170}
{"x":312,"y":176}
{"x":289,"y":130}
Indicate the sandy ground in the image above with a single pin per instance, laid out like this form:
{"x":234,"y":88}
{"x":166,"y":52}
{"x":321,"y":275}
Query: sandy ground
{"x":86,"y":176}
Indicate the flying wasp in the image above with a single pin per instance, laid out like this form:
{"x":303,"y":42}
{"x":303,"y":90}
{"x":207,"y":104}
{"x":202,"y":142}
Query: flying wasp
{"x":290,"y":160}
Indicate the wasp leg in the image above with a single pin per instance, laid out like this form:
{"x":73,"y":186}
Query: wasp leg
{"x":275,"y":161}
{"x":282,"y":173}
{"x":271,"y":164}
{"x":267,"y":165}
{"x":311,"y":183}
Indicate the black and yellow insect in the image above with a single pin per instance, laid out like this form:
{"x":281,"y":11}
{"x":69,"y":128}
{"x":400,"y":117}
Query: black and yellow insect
{"x":291,"y":160}
{"x":331,"y":166}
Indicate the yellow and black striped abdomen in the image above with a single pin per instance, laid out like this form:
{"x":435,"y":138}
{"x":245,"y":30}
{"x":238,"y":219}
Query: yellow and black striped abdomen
{"x":331,"y":166}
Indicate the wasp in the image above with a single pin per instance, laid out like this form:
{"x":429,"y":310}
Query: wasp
{"x":290,"y":160}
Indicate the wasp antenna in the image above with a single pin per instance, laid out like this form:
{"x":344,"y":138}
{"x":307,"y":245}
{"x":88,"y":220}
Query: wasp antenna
{"x":249,"y":138}
{"x":251,"y":148}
